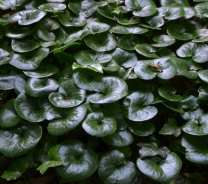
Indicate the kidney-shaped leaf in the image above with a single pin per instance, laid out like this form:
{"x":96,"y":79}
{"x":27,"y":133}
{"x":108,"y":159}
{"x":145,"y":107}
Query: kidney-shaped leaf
{"x":196,"y":148}
{"x":128,"y":42}
{"x":202,"y":10}
{"x":97,"y":125}
{"x":19,"y":140}
{"x":128,"y":30}
{"x":40,"y":87}
{"x":110,"y":89}
{"x":52,"y":7}
{"x":161,"y":170}
{"x":7,"y":82}
{"x":79,"y":163}
{"x":68,"y":95}
{"x":97,"y":27}
{"x":146,"y":50}
{"x":136,"y":106}
{"x":163,"y":41}
{"x":168,"y":92}
{"x":113,"y":168}
{"x":70,"y":118}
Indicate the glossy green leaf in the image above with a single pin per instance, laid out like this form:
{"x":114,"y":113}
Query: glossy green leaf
{"x":101,"y":42}
{"x":43,"y":167}
{"x":125,"y":20}
{"x":189,"y":12}
{"x":146,"y":50}
{"x":19,"y":140}
{"x":30,"y":108}
{"x":202,"y":36}
{"x":168,"y":92}
{"x":136,"y":106}
{"x":113,"y":168}
{"x":86,"y":7}
{"x":79,"y":163}
{"x":170,"y":128}
{"x":30,"y":60}
{"x":203,"y":75}
{"x":8,"y":115}
{"x":141,"y":128}
{"x":70,"y":118}
{"x":15,"y":169}
{"x":161,"y":170}
{"x":142,"y":8}
{"x":202,"y":10}
{"x":19,"y":85}
{"x":196,"y":148}
{"x":94,"y":67}
{"x":67,"y":19}
{"x":128,"y":42}
{"x":119,"y":139}
{"x":151,"y":149}
{"x":111,"y":66}
{"x":7,"y":82}
{"x":195,"y":114}
{"x":4,"y":56}
{"x":163,"y":41}
{"x":108,"y":11}
{"x":203,"y":92}
{"x":171,"y":12}
{"x":40,"y":87}
{"x":128,"y":30}
{"x":18,"y":32}
{"x":197,"y":127}
{"x":98,"y":125}
{"x":52,"y":7}
{"x":109,"y":89}
{"x":68,"y":95}
{"x":174,"y":106}
{"x":26,"y":44}
{"x":97,"y":27}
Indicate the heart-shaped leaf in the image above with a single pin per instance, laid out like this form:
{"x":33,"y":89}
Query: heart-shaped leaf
{"x":202,"y":10}
{"x":94,"y":67}
{"x":97,"y":125}
{"x":96,"y":27}
{"x":7,"y":82}
{"x":196,"y":148}
{"x":19,"y":140}
{"x":70,"y":118}
{"x":142,"y":8}
{"x":26,"y":44}
{"x":52,"y":7}
{"x":163,"y":41}
{"x":168,"y":92}
{"x":202,"y":36}
{"x":109,"y":89}
{"x":108,"y":11}
{"x":67,"y":19}
{"x":8,"y":115}
{"x":136,"y":106}
{"x":40,"y":87}
{"x":68,"y":95}
{"x":111,"y":66}
{"x":197,"y":126}
{"x":18,"y":32}
{"x":125,"y":20}
{"x":119,"y":139}
{"x":146,"y":50}
{"x":124,"y":58}
{"x":161,"y":170}
{"x":141,"y":128}
{"x":170,"y":128}
{"x":101,"y":42}
{"x":79,"y":163}
{"x":128,"y":30}
{"x":171,"y":12}
{"x":151,"y":149}
{"x":30,"y":108}
{"x":113,"y":168}
{"x":189,"y":115}
{"x":30,"y":60}
{"x":128,"y":42}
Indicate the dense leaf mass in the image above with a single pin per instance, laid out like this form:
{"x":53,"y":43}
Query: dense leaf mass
{"x":103,"y":92}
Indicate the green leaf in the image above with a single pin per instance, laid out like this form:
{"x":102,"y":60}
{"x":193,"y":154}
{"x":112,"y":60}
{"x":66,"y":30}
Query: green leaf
{"x":141,"y":128}
{"x":203,"y":75}
{"x":113,"y":168}
{"x":7,"y":82}
{"x":184,"y":180}
{"x":163,"y":41}
{"x":30,"y":60}
{"x":146,"y":50}
{"x":52,"y":7}
{"x":94,"y":67}
{"x":136,"y":106}
{"x":128,"y":30}
{"x":40,"y":87}
{"x":142,"y":8}
{"x":67,"y":19}
{"x":161,"y":170}
{"x":125,"y":20}
{"x":109,"y":89}
{"x":4,"y":56}
{"x":79,"y":163}
{"x":202,"y":36}
{"x":98,"y":125}
{"x":203,"y":92}
{"x":197,"y":127}
{"x":108,"y":11}
{"x":8,"y":115}
{"x":119,"y":139}
{"x":111,"y":66}
{"x":171,"y":12}
{"x":151,"y":149}
{"x":125,"y":150}
{"x":26,"y":44}
{"x":15,"y":169}
{"x":168,"y":92}
{"x":96,"y":27}
{"x":128,"y":42}
{"x":19,"y":140}
{"x":202,"y":10}
{"x":170,"y":128}
{"x":196,"y":148}
{"x":18,"y":32}
{"x":192,"y":114}
{"x":69,"y":119}
{"x":30,"y":108}
{"x":68,"y":95}
{"x":101,"y":42}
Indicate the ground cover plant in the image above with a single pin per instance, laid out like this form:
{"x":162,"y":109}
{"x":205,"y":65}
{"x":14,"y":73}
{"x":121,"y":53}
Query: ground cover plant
{"x":104,"y":92}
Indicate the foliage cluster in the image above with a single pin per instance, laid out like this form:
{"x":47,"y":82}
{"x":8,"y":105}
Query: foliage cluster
{"x":111,"y":92}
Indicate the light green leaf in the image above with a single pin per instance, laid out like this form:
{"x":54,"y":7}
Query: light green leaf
{"x":163,"y":41}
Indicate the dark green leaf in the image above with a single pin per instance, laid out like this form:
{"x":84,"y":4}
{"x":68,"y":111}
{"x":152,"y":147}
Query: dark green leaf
{"x":96,"y":27}
{"x":18,"y":32}
{"x":168,"y":92}
{"x":128,"y":42}
{"x":146,"y":50}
